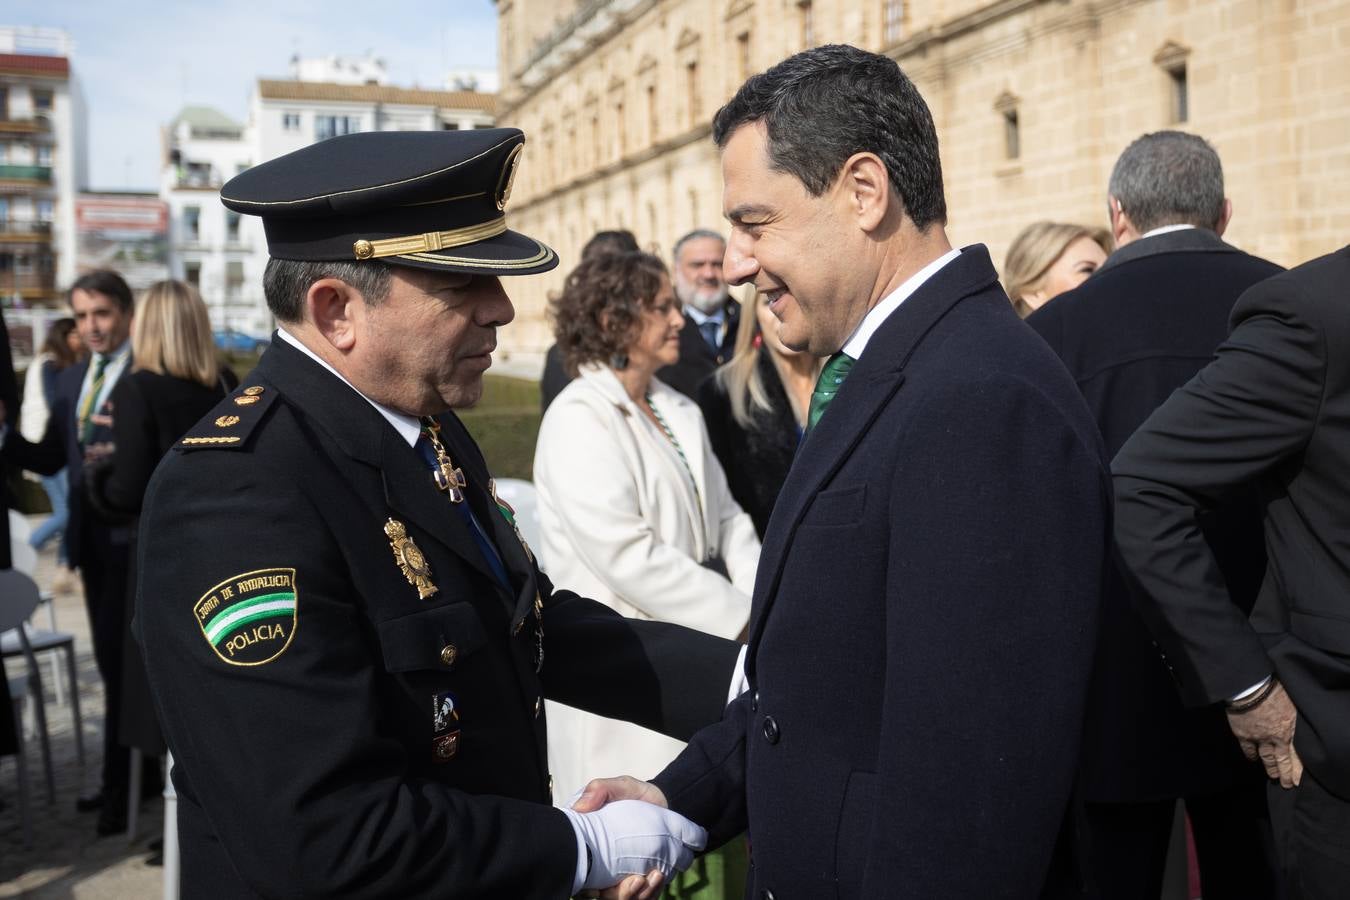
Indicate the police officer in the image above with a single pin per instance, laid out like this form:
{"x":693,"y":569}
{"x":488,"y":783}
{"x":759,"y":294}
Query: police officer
{"x":348,"y":642}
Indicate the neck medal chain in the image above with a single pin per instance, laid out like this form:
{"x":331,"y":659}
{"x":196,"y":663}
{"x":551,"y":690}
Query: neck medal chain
{"x":447,"y":475}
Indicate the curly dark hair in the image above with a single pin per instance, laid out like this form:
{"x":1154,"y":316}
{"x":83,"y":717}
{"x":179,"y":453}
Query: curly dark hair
{"x":597,"y":314}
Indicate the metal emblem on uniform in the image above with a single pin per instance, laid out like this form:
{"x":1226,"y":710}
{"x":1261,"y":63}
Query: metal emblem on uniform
{"x":508,"y":177}
{"x":444,"y":727}
{"x":409,"y":558}
{"x":245,"y":401}
{"x":226,"y":421}
{"x":250,"y":619}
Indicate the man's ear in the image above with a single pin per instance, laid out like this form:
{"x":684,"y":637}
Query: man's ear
{"x":1122,"y":229}
{"x":866,"y":188}
{"x":335,"y":307}
{"x":1225,"y":217}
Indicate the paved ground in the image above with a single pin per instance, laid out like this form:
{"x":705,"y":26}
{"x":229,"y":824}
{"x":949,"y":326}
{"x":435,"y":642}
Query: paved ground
{"x":67,"y":860}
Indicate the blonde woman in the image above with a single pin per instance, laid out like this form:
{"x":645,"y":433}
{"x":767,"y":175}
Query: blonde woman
{"x":175,"y":380}
{"x":1049,"y":258}
{"x":755,"y":408}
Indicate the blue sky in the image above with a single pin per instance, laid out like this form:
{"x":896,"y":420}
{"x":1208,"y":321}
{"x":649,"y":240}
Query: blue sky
{"x":139,"y":61}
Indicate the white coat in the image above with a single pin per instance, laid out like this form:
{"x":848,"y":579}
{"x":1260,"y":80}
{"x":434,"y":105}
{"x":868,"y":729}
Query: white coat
{"x":622,"y":524}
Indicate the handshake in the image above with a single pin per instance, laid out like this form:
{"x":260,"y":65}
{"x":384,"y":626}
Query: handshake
{"x":632,"y":842}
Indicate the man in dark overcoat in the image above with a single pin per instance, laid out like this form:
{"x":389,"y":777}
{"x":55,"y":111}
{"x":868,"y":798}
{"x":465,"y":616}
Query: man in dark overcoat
{"x":1135,"y":331}
{"x":926,"y":604}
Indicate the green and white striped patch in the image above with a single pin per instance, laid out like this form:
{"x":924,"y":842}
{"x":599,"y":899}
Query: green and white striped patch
{"x":250,"y":619}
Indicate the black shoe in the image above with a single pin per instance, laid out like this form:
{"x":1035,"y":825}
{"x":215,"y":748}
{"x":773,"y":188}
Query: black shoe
{"x":156,"y":846}
{"x":89,"y":803}
{"x":155,"y":859}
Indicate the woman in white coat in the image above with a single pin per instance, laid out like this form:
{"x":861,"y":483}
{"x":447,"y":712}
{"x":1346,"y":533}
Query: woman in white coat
{"x":634,"y":507}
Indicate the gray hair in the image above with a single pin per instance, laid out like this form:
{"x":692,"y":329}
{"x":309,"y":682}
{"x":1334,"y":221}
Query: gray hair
{"x":286,"y":281}
{"x":1169,"y":178}
{"x":696,"y":234}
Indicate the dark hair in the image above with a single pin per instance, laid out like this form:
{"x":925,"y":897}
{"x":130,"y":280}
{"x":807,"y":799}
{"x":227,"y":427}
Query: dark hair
{"x":620,"y":240}
{"x":823,"y":105}
{"x":286,"y":281}
{"x":1169,"y":178}
{"x":57,"y":344}
{"x":109,"y":284}
{"x":597,"y":314}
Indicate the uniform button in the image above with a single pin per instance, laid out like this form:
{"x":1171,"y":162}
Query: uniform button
{"x":448,"y":654}
{"x":550,"y":785}
{"x":771,"y":730}
{"x":754,"y":702}
{"x":538,"y":705}
{"x":767,"y":895}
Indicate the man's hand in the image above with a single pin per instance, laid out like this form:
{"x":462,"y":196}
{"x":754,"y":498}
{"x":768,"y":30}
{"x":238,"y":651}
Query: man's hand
{"x":629,"y":837}
{"x":607,"y":790}
{"x":1266,"y":732}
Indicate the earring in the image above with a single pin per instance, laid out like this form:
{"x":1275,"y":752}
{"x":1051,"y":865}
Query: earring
{"x":758,"y":341}
{"x":618,"y":360}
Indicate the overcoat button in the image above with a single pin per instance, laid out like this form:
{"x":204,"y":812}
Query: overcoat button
{"x":754,"y":702}
{"x":448,"y":654}
{"x":538,"y":705}
{"x":771,"y":730}
{"x":767,"y":895}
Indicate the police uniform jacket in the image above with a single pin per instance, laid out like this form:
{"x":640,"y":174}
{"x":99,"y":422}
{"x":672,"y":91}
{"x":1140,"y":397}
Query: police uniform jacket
{"x":337,"y":731}
{"x":923,"y":621}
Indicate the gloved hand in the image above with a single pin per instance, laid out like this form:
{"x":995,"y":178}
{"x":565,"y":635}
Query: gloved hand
{"x":630,"y":837}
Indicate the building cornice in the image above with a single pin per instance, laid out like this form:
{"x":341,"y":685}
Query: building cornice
{"x":593,"y":24}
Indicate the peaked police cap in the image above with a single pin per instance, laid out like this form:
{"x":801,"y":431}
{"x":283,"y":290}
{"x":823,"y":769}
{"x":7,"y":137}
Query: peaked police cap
{"x":427,"y":199}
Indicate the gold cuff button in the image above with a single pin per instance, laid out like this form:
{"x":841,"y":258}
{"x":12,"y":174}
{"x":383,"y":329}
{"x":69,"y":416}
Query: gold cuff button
{"x":448,"y":654}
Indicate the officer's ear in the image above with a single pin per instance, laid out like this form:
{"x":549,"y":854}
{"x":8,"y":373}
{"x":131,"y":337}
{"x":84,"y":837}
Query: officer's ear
{"x":336,"y":309}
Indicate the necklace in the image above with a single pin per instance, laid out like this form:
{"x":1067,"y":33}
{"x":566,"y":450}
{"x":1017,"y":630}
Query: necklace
{"x":670,"y":436}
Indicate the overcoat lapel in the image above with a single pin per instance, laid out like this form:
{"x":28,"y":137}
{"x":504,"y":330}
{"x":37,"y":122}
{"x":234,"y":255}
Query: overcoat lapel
{"x":871,"y":385}
{"x":359,"y":431}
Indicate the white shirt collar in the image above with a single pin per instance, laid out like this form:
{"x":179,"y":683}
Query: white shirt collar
{"x":857,"y":341}
{"x":699,"y":316}
{"x":1165,"y":229}
{"x":408,"y":427}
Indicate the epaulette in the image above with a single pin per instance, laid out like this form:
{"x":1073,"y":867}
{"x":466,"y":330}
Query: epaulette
{"x":228,"y":426}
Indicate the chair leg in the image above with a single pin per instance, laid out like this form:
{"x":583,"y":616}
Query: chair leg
{"x":40,"y":714}
{"x":21,"y":762}
{"x":134,"y":795}
{"x":75,"y":703}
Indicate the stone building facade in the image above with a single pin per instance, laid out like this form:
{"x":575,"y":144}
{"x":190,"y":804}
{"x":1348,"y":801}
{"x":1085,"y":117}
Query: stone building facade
{"x":1033,"y":99}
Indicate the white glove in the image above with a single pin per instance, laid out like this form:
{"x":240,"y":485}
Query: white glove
{"x":630,"y":837}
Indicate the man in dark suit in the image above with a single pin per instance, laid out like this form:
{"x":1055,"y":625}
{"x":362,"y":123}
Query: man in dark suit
{"x":926,"y":604}
{"x":79,"y":431}
{"x":1139,"y":328}
{"x":711,"y":317}
{"x":348,"y":643}
{"x":1272,"y":411}
{"x":9,"y":397}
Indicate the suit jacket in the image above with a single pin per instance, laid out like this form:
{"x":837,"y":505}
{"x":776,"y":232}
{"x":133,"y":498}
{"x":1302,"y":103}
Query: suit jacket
{"x":553,"y":379}
{"x":9,"y":395}
{"x":369,"y":737}
{"x":923,"y":620}
{"x":622,"y":524}
{"x":756,"y":459}
{"x":61,"y":448}
{"x":1273,"y":410}
{"x":1135,"y":331}
{"x":697,"y":359}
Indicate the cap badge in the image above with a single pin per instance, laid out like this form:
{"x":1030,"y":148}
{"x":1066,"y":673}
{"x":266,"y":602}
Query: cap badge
{"x":508,"y":177}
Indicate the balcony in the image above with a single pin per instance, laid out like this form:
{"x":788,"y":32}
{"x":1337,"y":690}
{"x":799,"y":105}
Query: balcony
{"x":25,"y":230}
{"x":29,"y":285}
{"x":39,"y":124}
{"x":35,"y":174}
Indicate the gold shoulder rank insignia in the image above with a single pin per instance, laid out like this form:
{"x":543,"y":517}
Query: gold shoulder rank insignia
{"x":249,"y":619}
{"x":409,"y":558}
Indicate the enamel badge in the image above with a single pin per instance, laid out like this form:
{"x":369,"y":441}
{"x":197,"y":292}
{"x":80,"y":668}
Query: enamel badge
{"x":409,"y":558}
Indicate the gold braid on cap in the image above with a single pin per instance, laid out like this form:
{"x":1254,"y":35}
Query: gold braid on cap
{"x":430,"y":241}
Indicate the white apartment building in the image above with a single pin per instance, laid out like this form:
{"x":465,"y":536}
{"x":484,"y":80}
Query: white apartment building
{"x":224,"y":253}
{"x":43,"y":164}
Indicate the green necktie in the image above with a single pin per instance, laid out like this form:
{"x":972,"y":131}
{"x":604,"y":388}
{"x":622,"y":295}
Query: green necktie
{"x":827,"y":385}
{"x":90,"y":402}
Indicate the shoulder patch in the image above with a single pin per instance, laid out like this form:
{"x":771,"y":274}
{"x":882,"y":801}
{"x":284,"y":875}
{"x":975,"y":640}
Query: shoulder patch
{"x":250,"y":619}
{"x":229,"y":425}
